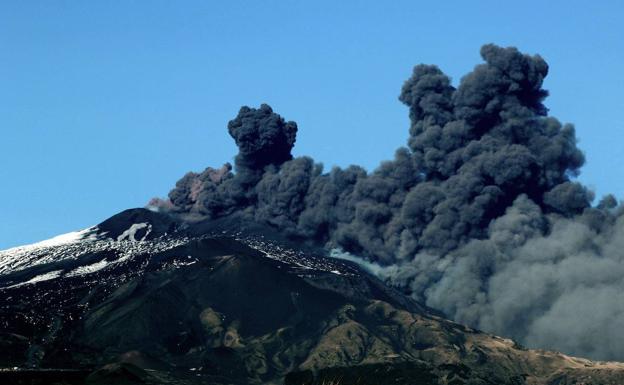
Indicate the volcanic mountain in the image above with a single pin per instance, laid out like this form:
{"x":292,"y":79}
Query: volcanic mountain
{"x":145,"y":297}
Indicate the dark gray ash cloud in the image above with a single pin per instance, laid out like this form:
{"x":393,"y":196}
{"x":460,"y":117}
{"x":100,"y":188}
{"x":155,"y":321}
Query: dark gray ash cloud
{"x":479,"y":216}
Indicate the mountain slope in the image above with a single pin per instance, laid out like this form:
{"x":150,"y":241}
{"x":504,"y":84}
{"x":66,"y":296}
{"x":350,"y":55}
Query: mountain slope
{"x":145,"y":298}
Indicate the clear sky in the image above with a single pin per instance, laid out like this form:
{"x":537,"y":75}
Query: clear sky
{"x":104,"y":105}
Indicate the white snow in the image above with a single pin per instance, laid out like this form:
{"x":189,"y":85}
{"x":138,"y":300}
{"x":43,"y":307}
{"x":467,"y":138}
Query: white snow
{"x":304,"y":263}
{"x":20,"y":257}
{"x":43,"y":277}
{"x":88,"y":269}
{"x":75,"y":245}
{"x":130,"y":233}
{"x":62,"y":239}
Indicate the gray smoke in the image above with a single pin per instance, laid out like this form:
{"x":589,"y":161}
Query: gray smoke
{"x":545,"y":280}
{"x":479,"y":216}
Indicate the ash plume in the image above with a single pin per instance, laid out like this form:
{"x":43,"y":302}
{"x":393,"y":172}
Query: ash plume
{"x":479,"y":216}
{"x":262,"y":137}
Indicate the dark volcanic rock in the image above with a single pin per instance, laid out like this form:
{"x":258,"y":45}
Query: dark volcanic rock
{"x":156,"y":224}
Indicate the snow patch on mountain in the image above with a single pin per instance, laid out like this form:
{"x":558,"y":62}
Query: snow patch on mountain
{"x":75,"y":245}
{"x":17,"y":258}
{"x":131,"y":233}
{"x":302,"y":262}
{"x":88,"y":269}
{"x":40,"y":278}
{"x":72,"y":237}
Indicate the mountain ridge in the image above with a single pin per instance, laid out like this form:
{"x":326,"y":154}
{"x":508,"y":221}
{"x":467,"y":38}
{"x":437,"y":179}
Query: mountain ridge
{"x":143,"y":297}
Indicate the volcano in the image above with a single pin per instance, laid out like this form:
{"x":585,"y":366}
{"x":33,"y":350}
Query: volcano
{"x":147,"y":298}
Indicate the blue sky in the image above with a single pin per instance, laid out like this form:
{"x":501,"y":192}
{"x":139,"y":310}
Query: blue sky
{"x":104,"y":105}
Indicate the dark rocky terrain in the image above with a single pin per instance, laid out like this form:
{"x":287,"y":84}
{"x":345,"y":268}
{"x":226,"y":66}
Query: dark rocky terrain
{"x":144,"y":298}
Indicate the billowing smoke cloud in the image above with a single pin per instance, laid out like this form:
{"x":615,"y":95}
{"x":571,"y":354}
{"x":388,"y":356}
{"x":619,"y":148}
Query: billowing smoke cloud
{"x":262,"y":137}
{"x":479,"y":216}
{"x":555,"y":288}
